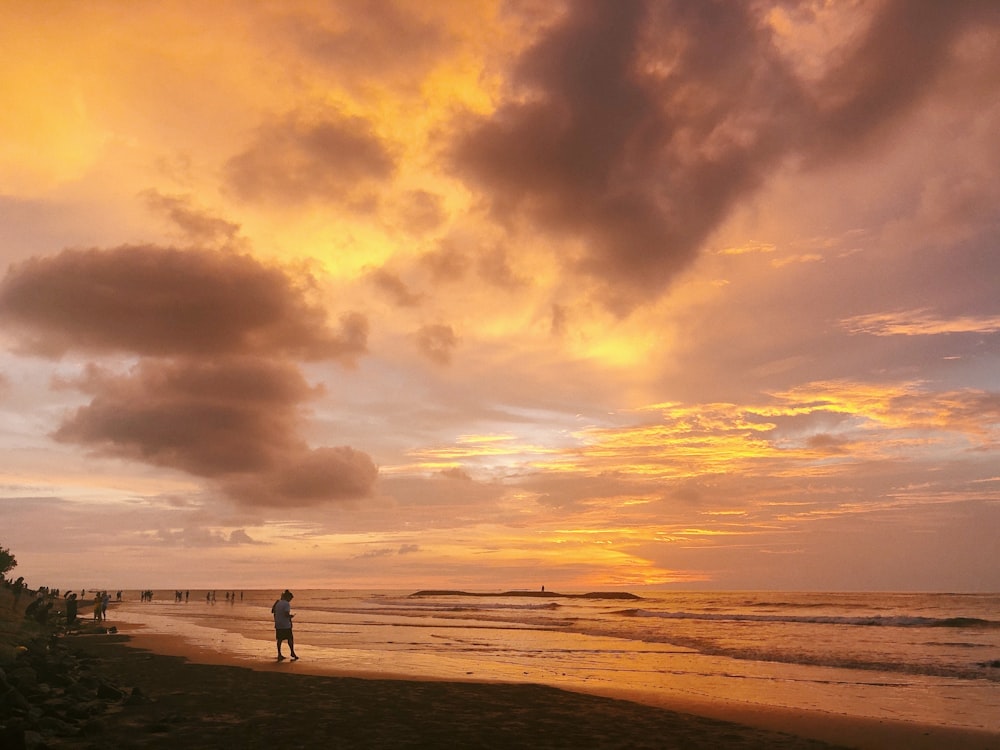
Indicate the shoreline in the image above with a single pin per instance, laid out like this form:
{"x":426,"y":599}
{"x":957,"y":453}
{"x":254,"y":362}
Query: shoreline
{"x":835,"y":730}
{"x":139,"y":689}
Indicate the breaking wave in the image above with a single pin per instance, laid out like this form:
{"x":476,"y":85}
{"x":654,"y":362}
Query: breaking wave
{"x":894,"y":621}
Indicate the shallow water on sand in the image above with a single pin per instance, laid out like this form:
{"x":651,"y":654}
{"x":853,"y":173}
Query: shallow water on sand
{"x":928,"y":658}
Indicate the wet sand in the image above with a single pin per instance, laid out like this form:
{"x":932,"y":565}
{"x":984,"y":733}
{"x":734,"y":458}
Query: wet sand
{"x":199,"y":699}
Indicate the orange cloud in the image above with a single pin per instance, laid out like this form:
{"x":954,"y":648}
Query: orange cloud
{"x":808,"y":431}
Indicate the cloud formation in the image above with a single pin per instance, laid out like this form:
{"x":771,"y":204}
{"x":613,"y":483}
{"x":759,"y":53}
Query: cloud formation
{"x":437,"y":342}
{"x":363,"y":38}
{"x":161,"y":301}
{"x":197,"y":225}
{"x":209,"y":417}
{"x":634,"y":128}
{"x":197,"y":537}
{"x":216,"y":392}
{"x":659,"y":292}
{"x":297,"y":159}
{"x":394,"y":287}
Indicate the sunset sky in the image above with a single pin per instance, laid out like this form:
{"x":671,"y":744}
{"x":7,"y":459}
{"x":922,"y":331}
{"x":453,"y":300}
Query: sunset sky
{"x":491,"y":295}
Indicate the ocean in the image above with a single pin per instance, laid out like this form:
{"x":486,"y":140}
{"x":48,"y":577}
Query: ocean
{"x":927,"y":658}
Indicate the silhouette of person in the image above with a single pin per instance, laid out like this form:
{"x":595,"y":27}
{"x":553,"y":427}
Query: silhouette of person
{"x":282,"y":610}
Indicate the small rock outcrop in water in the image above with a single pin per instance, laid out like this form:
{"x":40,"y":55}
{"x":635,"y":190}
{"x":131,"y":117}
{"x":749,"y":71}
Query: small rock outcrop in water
{"x":545,"y":594}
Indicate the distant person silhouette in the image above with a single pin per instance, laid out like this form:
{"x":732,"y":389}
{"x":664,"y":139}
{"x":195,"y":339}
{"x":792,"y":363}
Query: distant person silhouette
{"x":19,"y":586}
{"x":282,"y":611}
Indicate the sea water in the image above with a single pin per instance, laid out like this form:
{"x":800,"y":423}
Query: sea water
{"x":927,"y":658}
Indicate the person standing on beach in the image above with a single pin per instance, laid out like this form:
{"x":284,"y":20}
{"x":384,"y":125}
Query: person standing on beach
{"x":282,"y":611}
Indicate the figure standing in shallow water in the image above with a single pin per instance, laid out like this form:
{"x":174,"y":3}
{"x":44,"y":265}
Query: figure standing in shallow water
{"x":282,"y":611}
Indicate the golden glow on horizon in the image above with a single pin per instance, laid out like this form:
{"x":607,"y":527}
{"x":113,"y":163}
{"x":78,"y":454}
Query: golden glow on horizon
{"x":482,"y":439}
{"x":481,"y":451}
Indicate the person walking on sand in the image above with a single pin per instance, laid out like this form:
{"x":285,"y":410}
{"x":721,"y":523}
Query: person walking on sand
{"x":282,"y":611}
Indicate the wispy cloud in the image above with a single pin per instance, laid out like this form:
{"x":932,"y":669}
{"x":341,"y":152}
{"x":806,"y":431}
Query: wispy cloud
{"x":920,"y":322}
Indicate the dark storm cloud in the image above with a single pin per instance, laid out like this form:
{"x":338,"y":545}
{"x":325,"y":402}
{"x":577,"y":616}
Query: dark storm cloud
{"x":161,"y":301}
{"x":907,"y":45}
{"x":208,"y":418}
{"x":597,"y":149}
{"x":297,"y":159}
{"x":235,"y":421}
{"x":635,"y":127}
{"x":216,"y":392}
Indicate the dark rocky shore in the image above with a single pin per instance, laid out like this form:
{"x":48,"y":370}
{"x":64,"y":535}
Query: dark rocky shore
{"x":50,"y":693}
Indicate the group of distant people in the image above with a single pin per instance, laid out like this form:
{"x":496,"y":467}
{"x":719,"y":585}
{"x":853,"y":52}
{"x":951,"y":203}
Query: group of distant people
{"x":230,"y":597}
{"x":101,"y":600}
{"x":40,"y":608}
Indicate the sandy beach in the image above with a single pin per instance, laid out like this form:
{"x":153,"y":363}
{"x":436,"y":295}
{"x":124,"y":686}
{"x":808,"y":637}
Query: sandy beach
{"x":133,"y":688}
{"x":194,"y":698}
